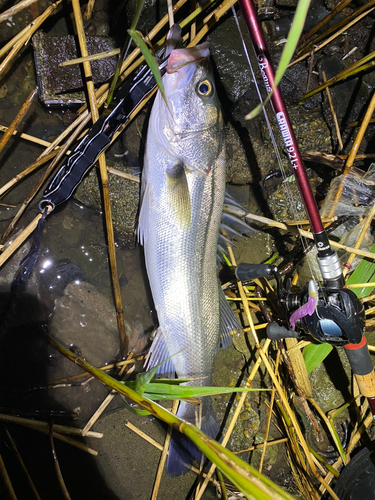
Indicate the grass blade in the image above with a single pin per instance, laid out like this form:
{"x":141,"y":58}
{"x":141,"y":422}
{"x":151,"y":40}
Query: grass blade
{"x":149,"y":58}
{"x":289,"y":49}
{"x":248,"y":480}
{"x":314,"y":354}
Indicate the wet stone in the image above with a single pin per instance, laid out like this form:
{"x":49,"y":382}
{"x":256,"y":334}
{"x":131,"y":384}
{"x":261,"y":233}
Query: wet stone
{"x":86,"y":319}
{"x":62,"y":85}
{"x":124,"y":196}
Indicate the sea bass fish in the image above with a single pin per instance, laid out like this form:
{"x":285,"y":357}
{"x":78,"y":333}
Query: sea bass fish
{"x":183,"y":188}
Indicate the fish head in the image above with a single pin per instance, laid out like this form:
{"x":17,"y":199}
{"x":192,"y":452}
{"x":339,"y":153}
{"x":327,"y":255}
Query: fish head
{"x":193,"y":124}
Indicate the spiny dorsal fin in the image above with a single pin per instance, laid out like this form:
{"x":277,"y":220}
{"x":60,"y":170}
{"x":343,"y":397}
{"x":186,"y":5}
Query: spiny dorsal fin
{"x":179,"y":196}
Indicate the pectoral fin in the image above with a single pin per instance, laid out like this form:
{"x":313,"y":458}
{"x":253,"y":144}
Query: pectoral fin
{"x":178,"y":191}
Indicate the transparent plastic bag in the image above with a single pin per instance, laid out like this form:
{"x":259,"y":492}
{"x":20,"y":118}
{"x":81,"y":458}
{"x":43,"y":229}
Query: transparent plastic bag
{"x":357,"y":195}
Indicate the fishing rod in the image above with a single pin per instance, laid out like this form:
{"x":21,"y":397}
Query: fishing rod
{"x":329,"y":313}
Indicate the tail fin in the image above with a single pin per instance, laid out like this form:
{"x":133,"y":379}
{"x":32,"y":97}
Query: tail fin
{"x":182,"y":451}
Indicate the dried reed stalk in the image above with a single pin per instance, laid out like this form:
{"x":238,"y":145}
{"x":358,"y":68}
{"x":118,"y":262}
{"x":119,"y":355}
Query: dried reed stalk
{"x":27,"y":137}
{"x":329,"y":40}
{"x":7,"y":482}
{"x":42,"y":180}
{"x":43,"y":426}
{"x":27,"y":34}
{"x":307,"y":234}
{"x":60,"y":478}
{"x":269,"y":416}
{"x":163,"y":456}
{"x":8,"y":252}
{"x":352,"y":154}
{"x":31,"y":168}
{"x":104,"y":180}
{"x":339,"y":7}
{"x":107,"y":400}
{"x":362,"y":234}
{"x":337,"y":127}
{"x":158,"y":446}
{"x":93,"y":57}
{"x":22,"y":464}
{"x":17,"y":120}
{"x":102,"y":368}
{"x":89,"y":9}
{"x":15,"y":9}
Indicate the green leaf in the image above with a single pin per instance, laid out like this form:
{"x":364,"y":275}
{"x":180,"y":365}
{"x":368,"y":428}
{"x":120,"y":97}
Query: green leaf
{"x":337,"y":441}
{"x":149,"y":58}
{"x":314,"y":354}
{"x":156,"y":390}
{"x":363,"y":273}
{"x":247,"y":479}
{"x":124,"y":51}
{"x":289,"y":49}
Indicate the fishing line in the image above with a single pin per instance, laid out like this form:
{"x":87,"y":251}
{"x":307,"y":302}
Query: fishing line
{"x":292,"y":198}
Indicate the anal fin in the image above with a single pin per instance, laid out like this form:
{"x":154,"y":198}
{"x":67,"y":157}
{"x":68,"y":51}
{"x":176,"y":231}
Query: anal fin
{"x":159,"y":354}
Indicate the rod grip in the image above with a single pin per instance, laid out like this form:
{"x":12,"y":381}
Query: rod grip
{"x":360,"y":361}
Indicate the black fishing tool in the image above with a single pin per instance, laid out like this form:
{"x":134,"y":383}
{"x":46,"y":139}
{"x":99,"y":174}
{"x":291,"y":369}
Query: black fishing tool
{"x":100,"y":136}
{"x":130,"y":96}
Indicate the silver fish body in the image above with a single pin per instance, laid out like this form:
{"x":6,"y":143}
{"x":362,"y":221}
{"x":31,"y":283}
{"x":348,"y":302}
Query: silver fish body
{"x":183,"y":186}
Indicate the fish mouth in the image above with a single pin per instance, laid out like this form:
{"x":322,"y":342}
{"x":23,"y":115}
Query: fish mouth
{"x":182,"y":57}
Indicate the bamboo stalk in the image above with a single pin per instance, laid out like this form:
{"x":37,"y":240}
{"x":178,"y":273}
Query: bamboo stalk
{"x":15,"y":9}
{"x":8,"y":483}
{"x":60,"y":478}
{"x":22,"y":464}
{"x":104,"y":180}
{"x":19,"y":117}
{"x":337,"y":127}
{"x":28,"y":34}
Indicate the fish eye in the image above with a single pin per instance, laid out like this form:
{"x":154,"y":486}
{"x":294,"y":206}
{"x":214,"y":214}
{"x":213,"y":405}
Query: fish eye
{"x":205,"y":89}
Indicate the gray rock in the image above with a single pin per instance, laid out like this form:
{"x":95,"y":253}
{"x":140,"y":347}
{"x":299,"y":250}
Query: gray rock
{"x":86,"y":320}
